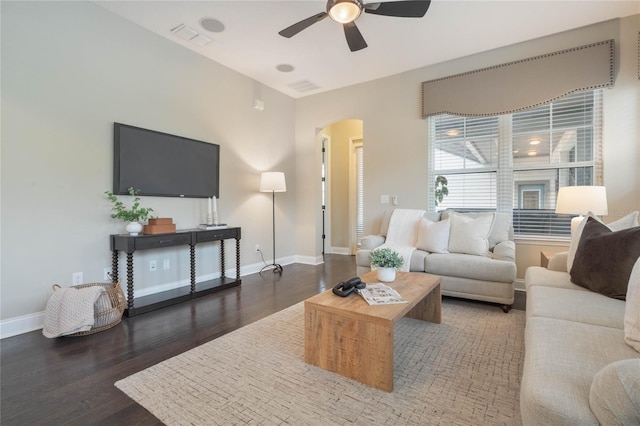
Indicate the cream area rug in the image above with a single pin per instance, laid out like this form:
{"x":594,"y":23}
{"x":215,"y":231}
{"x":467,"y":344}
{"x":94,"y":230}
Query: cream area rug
{"x":465,"y":371}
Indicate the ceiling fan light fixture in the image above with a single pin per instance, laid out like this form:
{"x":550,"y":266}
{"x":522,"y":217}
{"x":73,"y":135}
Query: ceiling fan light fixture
{"x":344,"y":11}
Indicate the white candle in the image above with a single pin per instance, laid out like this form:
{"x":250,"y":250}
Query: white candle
{"x":215,"y":205}
{"x":209,"y":205}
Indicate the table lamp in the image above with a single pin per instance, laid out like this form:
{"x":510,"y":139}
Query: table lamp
{"x":581,"y":200}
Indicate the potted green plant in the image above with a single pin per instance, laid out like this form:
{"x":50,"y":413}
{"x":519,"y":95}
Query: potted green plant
{"x":386,"y":261}
{"x":441,"y":190}
{"x":134,"y":214}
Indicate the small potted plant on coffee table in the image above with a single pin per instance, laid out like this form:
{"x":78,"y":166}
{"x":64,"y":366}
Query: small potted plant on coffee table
{"x":134,"y":215}
{"x":386,"y":261}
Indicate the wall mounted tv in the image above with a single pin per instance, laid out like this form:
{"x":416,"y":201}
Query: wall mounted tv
{"x":163,"y":165}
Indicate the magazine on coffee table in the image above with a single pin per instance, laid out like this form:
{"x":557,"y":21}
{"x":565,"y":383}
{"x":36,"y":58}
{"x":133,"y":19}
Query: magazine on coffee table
{"x":380,"y":294}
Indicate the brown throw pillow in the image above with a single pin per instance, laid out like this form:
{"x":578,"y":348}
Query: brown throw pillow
{"x":604,"y":259}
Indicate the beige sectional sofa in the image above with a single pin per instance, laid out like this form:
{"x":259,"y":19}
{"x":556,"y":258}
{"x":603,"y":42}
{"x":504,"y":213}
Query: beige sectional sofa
{"x":580,"y":368}
{"x":488,"y":277}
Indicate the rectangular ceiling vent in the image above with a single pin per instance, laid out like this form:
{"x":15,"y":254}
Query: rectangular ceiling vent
{"x":303,"y":86}
{"x":191,"y":35}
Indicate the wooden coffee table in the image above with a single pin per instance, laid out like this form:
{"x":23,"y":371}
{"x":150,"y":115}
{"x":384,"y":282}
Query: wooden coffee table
{"x":347,"y":336}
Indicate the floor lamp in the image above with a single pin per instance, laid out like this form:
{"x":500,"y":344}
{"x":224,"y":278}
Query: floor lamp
{"x":273,"y":182}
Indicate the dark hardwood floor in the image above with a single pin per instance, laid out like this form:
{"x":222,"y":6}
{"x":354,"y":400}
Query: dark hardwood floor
{"x":70,"y":380}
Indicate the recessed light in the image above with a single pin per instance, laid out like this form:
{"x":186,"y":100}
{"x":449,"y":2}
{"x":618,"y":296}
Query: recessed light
{"x":534,"y":142}
{"x":212,"y":25}
{"x":285,"y":68}
{"x":515,"y":151}
{"x":532,"y":153}
{"x":453,"y":132}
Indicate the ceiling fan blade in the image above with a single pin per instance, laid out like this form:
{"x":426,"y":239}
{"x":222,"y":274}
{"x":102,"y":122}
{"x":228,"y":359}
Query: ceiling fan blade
{"x":354,"y":37}
{"x":305,"y":23}
{"x":403,"y":9}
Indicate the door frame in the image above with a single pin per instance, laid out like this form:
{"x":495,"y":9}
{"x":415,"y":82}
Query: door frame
{"x":354,"y":143}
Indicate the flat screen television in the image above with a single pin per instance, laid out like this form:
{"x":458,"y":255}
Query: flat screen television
{"x":163,"y":165}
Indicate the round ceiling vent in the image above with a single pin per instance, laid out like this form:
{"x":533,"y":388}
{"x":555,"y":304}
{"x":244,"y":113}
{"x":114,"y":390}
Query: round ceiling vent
{"x":212,"y":25}
{"x":285,"y":68}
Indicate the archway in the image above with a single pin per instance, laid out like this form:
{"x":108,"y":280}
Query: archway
{"x":342,"y":169}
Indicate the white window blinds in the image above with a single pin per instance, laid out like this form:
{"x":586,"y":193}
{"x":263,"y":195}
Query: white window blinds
{"x":359,"y":193}
{"x":517,"y":162}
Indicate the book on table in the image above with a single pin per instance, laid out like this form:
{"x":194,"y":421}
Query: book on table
{"x":210,"y":227}
{"x":380,"y":294}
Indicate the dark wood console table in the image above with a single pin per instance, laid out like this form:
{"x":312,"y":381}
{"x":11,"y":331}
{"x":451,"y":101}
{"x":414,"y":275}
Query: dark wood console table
{"x":190,"y":237}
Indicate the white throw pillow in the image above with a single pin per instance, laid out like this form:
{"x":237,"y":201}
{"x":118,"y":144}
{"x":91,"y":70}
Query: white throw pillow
{"x":628,"y":221}
{"x":433,"y":236}
{"x":632,"y":309}
{"x":470,"y":236}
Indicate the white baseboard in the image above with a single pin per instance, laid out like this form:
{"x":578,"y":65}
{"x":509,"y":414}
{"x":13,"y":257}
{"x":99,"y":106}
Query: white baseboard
{"x":22,"y":324}
{"x":309,"y":260}
{"x":30,"y":322}
{"x":340,"y":250}
{"x":519,"y":285}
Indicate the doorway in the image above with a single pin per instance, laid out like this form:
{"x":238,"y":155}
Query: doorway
{"x":342,"y":167}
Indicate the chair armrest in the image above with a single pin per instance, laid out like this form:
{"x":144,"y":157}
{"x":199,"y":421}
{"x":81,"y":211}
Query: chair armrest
{"x":505,"y":250}
{"x":558,"y":262}
{"x":370,"y":242}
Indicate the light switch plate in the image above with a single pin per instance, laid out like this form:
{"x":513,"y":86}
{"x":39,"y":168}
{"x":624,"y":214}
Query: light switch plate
{"x":384,"y":199}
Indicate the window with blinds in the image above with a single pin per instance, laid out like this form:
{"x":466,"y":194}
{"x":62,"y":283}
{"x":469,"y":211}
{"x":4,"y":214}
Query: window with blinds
{"x":359,"y":193}
{"x":517,"y":162}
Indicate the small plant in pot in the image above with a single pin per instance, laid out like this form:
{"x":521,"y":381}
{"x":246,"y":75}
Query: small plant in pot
{"x":386,"y":261}
{"x":134,"y":214}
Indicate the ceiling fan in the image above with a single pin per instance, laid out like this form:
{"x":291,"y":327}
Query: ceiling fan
{"x":346,"y":12}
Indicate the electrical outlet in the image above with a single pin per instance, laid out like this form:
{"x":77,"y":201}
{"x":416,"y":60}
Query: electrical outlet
{"x":77,"y":278}
{"x":257,"y":248}
{"x":107,"y":274}
{"x":394,"y":200}
{"x":153,"y":265}
{"x":166,"y":264}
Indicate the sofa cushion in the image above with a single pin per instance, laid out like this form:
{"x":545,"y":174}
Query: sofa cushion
{"x":433,"y":236}
{"x":604,"y":259}
{"x":573,"y":305}
{"x":632,"y":309}
{"x":468,"y":235}
{"x":469,"y":266}
{"x":537,"y":275}
{"x":561,"y":359}
{"x":506,"y":250}
{"x":628,"y":221}
{"x":416,"y":263}
{"x":501,"y":229}
{"x":369,"y":242}
{"x":615,"y":393}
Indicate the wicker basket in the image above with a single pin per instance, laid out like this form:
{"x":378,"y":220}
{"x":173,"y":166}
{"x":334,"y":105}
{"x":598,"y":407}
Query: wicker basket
{"x":108,"y":308}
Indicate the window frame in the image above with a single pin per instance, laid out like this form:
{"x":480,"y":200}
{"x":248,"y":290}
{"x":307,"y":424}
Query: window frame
{"x":507,"y":173}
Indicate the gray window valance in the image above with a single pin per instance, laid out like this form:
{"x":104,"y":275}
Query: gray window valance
{"x":522,"y":84}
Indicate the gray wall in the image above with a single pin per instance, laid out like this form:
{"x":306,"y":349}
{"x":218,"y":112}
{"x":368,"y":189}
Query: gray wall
{"x":395,"y":158}
{"x":69,"y":70}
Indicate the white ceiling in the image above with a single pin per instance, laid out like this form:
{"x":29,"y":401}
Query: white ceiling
{"x":250,"y":43}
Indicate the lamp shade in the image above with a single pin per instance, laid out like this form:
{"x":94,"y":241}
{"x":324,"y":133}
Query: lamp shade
{"x":272,"y":182}
{"x":582,"y":200}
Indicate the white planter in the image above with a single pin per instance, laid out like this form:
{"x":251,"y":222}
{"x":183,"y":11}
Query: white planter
{"x":386,"y":275}
{"x":134,"y":228}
